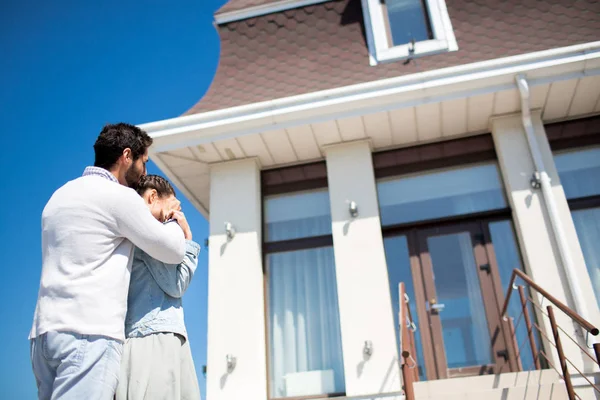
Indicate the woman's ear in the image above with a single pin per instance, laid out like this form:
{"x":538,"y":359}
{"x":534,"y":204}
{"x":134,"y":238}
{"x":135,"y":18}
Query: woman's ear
{"x":152,"y":196}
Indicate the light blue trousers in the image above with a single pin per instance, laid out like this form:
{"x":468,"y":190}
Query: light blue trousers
{"x":74,"y":366}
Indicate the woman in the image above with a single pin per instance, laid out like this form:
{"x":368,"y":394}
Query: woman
{"x":157,"y":361}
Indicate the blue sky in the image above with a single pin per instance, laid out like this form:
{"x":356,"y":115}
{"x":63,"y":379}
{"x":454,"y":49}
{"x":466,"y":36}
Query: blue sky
{"x":66,"y":69}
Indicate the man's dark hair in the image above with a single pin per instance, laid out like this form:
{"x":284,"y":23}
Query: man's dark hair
{"x":115,"y":138}
{"x":160,"y":184}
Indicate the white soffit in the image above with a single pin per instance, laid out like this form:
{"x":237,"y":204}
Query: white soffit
{"x":395,"y":112}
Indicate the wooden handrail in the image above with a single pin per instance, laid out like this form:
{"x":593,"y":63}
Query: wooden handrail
{"x":409,"y":373}
{"x":572,"y":314}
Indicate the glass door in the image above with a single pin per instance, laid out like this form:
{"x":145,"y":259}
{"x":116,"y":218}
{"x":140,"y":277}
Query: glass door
{"x":461,"y":302}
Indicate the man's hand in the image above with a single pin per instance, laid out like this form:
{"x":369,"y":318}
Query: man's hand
{"x":182,"y":221}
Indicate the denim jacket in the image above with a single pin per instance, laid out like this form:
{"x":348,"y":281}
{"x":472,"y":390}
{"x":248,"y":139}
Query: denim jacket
{"x":155,"y":291}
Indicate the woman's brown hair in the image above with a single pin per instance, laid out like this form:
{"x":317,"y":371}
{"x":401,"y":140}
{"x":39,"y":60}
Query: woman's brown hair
{"x":158,"y":183}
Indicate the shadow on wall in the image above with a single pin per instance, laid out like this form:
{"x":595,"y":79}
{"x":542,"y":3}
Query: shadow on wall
{"x":224,"y":247}
{"x":360,"y":367}
{"x":347,"y":226}
{"x":386,"y":384}
{"x":388,"y":379}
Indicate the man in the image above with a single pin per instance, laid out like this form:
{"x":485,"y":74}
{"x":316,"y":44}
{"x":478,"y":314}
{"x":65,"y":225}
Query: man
{"x":89,"y":229}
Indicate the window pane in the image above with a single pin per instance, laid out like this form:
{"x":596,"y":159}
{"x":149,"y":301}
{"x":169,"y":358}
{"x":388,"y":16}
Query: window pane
{"x":464,"y":322}
{"x":579,"y":172}
{"x":305,"y":338}
{"x":297,"y":215}
{"x":407,"y":21}
{"x":398,"y":263}
{"x":440,"y":194}
{"x":508,"y":258}
{"x":587,"y":224}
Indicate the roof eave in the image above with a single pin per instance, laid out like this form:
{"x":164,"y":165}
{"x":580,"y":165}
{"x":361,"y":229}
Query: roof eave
{"x":226,"y":17}
{"x":420,"y":88}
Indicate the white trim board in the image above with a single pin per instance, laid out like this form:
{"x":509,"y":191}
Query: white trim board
{"x":264,"y":9}
{"x":420,"y":88}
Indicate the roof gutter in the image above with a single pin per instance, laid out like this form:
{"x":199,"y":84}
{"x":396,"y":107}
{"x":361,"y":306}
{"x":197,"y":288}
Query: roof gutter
{"x":263,"y":9}
{"x":420,"y":88}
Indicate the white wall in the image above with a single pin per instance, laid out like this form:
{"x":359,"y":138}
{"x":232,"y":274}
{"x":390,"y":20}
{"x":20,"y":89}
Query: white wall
{"x":537,"y":243}
{"x":236,"y":319}
{"x":364,"y":299}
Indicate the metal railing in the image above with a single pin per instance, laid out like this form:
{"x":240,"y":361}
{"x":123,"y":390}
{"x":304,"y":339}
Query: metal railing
{"x":558,"y":333}
{"x":408,"y":364}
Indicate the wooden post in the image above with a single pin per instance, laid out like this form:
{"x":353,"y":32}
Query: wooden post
{"x":532,"y":345}
{"x":561,"y":354}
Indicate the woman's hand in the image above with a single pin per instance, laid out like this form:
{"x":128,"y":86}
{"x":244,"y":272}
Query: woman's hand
{"x":182,"y":221}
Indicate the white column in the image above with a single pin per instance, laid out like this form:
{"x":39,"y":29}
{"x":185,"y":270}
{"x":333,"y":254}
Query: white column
{"x":362,"y":278}
{"x":534,"y":230}
{"x":236,"y":319}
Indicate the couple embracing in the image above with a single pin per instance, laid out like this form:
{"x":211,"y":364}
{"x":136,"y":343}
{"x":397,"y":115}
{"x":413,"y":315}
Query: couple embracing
{"x":117,"y":256}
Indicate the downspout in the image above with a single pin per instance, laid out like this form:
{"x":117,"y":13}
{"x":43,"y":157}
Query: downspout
{"x":542,"y":179}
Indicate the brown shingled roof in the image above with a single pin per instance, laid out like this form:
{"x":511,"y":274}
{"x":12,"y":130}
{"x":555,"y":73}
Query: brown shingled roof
{"x":323,"y":46}
{"x":235,"y":5}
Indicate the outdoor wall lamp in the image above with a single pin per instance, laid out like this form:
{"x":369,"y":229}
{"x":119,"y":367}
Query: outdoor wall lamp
{"x":353,"y":209}
{"x":368,"y":348}
{"x":536,"y":180}
{"x":229,"y":230}
{"x":231,"y":361}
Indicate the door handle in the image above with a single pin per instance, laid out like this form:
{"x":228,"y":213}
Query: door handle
{"x":437,"y":307}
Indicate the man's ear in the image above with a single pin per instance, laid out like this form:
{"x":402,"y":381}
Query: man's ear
{"x":127,"y":155}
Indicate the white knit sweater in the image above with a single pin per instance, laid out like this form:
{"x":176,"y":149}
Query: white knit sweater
{"x":89,"y":229}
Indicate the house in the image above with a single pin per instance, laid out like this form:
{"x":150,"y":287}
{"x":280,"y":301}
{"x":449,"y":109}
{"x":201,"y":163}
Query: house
{"x":346,"y":147}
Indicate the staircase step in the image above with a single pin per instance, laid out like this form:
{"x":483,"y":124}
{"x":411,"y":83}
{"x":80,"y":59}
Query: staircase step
{"x":445,"y":387}
{"x":548,"y":391}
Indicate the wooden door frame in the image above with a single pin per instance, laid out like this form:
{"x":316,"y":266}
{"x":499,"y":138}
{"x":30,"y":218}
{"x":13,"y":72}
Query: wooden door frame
{"x":498,"y":293}
{"x":428,"y":348}
{"x":430,"y":330}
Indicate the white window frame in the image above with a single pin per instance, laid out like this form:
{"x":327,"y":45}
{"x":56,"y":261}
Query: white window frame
{"x":381,"y":50}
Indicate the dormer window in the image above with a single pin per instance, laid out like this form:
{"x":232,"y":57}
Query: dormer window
{"x":405,"y":29}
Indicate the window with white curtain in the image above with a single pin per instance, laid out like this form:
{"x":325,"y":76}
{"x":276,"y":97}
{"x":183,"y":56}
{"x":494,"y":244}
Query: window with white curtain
{"x":579,"y":172}
{"x":297,"y":215}
{"x":305,"y":346}
{"x":439,"y":194}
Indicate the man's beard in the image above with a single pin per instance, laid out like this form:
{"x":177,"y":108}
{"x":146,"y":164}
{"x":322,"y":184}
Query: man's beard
{"x":132,"y":177}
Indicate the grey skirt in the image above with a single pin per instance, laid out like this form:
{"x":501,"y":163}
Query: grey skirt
{"x":157,"y":366}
